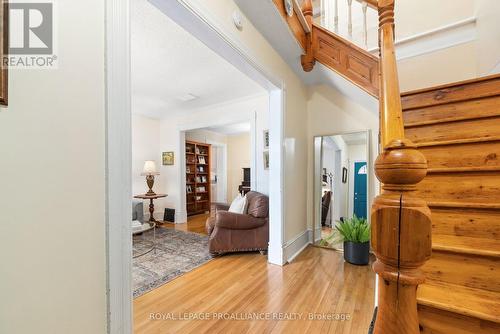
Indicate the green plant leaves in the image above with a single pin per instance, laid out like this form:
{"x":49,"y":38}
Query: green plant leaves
{"x":354,"y":229}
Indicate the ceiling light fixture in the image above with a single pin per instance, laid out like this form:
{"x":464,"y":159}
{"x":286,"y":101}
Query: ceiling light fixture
{"x":187,"y":97}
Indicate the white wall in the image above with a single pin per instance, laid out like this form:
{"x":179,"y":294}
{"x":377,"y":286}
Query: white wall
{"x":413,"y":17}
{"x":488,"y":44}
{"x":330,"y":112}
{"x":52,"y":194}
{"x":441,"y":67}
{"x":206,"y":136}
{"x":146,"y":146}
{"x":238,"y":157}
{"x":328,"y":155}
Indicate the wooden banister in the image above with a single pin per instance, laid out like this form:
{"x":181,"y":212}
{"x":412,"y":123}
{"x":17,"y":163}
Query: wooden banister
{"x":390,"y":97}
{"x":401,"y":224}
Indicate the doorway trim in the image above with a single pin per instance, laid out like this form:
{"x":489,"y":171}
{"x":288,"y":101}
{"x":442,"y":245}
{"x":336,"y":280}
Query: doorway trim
{"x":317,"y":177}
{"x":118,"y":155}
{"x":222,"y":146}
{"x":209,"y":30}
{"x":181,"y":216}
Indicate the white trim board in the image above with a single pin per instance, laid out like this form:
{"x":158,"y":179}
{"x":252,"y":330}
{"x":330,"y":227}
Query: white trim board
{"x":224,"y":167}
{"x":196,"y":19}
{"x":118,"y":168}
{"x":495,"y":69}
{"x":295,"y":246}
{"x":443,"y":37}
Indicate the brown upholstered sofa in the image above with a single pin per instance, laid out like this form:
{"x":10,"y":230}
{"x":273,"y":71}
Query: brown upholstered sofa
{"x":234,"y":232}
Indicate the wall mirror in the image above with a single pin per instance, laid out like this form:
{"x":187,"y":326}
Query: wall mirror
{"x":341,"y":183}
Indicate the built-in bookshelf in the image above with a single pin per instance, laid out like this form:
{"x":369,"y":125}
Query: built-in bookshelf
{"x":197,"y":177}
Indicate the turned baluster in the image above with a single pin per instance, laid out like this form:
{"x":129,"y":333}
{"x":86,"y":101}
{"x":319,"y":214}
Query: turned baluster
{"x":307,"y":59}
{"x":336,"y":17}
{"x":401,"y":223}
{"x":349,"y":17}
{"x":364,"y":6}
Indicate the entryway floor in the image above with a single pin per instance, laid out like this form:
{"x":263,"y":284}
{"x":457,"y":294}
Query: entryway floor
{"x":317,"y":293}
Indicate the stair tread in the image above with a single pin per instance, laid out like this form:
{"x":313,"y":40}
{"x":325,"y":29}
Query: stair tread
{"x":458,"y":299}
{"x":467,"y":245}
{"x":458,"y":141}
{"x":463,"y":205}
{"x":463,"y":169}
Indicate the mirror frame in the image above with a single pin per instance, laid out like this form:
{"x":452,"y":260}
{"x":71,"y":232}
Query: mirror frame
{"x":317,"y":165}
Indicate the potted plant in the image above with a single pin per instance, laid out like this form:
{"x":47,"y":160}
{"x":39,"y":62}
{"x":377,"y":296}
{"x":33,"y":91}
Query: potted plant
{"x":355,"y":233}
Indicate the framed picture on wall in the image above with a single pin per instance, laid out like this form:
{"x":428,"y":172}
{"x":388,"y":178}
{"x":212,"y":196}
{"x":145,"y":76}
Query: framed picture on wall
{"x":344,"y":175}
{"x":167,"y":158}
{"x":266,"y":159}
{"x":4,"y":51}
{"x":266,"y":139}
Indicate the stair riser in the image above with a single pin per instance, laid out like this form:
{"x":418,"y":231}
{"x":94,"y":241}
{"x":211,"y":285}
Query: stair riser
{"x":461,"y":187}
{"x":435,"y":321}
{"x":454,"y":111}
{"x":475,"y":155}
{"x":462,"y":92}
{"x":477,"y":128}
{"x":469,"y":223}
{"x":471,"y":271}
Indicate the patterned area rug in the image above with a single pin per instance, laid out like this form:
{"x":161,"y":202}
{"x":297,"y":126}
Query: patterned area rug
{"x":177,"y":252}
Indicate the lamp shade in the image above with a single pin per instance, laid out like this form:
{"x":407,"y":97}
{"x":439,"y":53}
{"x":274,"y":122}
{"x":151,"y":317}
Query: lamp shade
{"x":149,"y":168}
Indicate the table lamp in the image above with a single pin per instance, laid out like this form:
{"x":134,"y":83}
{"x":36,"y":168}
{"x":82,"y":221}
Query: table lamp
{"x":150,"y":172}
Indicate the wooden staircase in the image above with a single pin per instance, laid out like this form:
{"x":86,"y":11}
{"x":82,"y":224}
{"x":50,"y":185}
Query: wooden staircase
{"x":457,"y":128}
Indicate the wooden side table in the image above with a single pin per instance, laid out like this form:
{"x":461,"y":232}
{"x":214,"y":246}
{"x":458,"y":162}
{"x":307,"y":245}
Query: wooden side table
{"x":151,"y":204}
{"x":152,"y":221}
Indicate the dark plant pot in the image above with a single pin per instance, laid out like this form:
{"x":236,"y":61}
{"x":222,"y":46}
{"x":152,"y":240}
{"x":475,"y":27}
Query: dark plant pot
{"x":357,"y":253}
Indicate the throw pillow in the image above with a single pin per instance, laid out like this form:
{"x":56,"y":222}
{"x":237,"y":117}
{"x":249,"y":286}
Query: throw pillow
{"x":239,"y":204}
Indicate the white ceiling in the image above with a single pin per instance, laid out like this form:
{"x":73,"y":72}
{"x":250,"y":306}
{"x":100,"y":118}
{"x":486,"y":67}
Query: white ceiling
{"x":168,"y":63}
{"x":355,"y":138}
{"x":231,"y":129}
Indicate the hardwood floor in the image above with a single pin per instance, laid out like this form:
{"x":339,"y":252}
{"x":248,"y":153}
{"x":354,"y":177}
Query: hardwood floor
{"x":194,"y":224}
{"x":317,"y":282}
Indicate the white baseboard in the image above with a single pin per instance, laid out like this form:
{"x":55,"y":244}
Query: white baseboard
{"x":318,"y":234}
{"x":180,"y":217}
{"x":295,"y":246}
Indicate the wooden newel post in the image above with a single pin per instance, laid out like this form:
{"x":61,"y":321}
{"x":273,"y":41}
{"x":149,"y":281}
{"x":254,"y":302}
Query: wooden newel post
{"x":401,"y":222}
{"x":307,"y":59}
{"x":401,"y":237}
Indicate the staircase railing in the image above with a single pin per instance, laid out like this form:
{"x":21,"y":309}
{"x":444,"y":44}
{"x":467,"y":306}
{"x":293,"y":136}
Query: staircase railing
{"x":401,"y":224}
{"x":329,"y":14}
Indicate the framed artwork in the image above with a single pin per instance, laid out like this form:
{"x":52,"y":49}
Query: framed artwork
{"x":344,"y":175}
{"x":4,"y":50}
{"x":266,"y":160}
{"x":168,"y":158}
{"x":266,"y":139}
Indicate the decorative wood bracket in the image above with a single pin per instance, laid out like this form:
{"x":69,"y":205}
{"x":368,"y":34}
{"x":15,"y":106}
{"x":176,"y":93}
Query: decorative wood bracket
{"x":307,"y":59}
